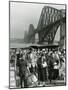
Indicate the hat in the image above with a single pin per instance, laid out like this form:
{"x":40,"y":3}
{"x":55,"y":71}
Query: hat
{"x":43,"y":50}
{"x":50,"y":53}
{"x":55,"y":63}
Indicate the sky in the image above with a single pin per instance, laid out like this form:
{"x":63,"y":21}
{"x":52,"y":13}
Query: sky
{"x":24,"y":14}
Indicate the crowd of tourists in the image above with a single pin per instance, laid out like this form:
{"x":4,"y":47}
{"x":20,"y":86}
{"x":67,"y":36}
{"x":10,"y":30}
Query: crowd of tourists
{"x":37,"y":66}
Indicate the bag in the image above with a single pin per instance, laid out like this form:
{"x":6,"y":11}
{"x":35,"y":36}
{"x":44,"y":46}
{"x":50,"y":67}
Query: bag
{"x":31,"y":79}
{"x":44,"y":64}
{"x":56,"y":66}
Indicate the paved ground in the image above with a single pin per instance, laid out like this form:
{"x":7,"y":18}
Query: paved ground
{"x":48,"y":84}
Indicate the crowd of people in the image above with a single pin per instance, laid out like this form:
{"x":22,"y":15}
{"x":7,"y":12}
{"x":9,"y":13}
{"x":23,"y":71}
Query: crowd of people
{"x":37,"y":66}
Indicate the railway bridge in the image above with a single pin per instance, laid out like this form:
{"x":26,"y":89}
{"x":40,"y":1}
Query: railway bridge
{"x":50,"y":20}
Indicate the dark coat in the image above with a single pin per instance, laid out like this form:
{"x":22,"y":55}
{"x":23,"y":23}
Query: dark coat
{"x":23,"y":68}
{"x":39,"y":64}
{"x":23,"y":72}
{"x":50,"y":67}
{"x":18,"y":59}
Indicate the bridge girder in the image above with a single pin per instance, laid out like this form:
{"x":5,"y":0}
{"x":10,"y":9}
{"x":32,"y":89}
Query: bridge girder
{"x":49,"y":16}
{"x":48,"y":24}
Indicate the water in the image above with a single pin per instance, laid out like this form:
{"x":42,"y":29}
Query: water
{"x":21,"y":45}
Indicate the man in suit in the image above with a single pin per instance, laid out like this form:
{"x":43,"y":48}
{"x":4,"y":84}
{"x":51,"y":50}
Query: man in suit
{"x":23,"y":71}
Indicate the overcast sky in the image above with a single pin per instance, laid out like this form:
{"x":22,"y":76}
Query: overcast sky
{"x":23,"y":14}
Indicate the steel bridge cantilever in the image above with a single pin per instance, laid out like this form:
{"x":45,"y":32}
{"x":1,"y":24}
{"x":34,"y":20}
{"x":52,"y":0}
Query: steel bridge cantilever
{"x":49,"y":27}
